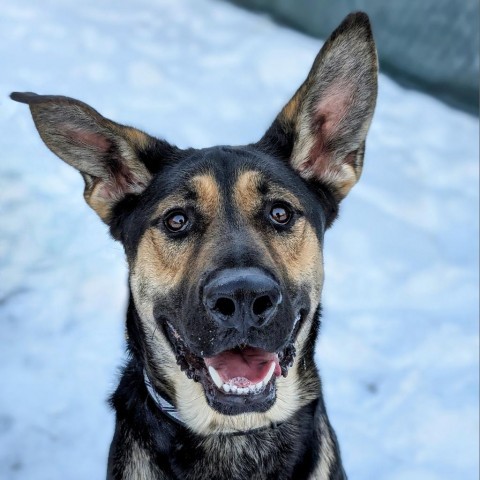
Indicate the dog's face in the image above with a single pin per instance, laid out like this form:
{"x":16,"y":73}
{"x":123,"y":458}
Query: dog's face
{"x":224,"y":244}
{"x":227,"y":266}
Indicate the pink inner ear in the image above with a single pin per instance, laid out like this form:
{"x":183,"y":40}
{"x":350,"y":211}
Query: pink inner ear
{"x":328,"y":115}
{"x":91,"y":139}
{"x":332,"y":109}
{"x":123,"y":182}
{"x":121,"y":179}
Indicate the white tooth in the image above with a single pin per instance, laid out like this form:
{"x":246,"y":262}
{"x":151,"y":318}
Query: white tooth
{"x":258,"y":386}
{"x":243,"y":390}
{"x":268,"y":376}
{"x":234,"y":389}
{"x":215,"y":377}
{"x":226,"y":387}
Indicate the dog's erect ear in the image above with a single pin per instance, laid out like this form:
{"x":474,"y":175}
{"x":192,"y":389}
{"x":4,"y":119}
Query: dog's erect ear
{"x":322,"y":129}
{"x":105,"y":153}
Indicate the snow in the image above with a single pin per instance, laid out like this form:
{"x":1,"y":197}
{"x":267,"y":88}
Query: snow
{"x":399,"y":346}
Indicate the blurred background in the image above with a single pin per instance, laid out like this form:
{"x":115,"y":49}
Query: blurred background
{"x":431,"y":45}
{"x":399,"y":350}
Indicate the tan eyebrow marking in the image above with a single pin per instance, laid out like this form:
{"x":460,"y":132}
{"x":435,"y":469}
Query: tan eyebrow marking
{"x":248,"y":197}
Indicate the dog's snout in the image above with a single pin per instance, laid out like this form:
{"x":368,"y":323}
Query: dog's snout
{"x":242,"y":298}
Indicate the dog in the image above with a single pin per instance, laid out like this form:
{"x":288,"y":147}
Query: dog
{"x":224,"y":247}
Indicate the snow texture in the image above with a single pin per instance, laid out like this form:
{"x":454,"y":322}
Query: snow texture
{"x":399,"y":346}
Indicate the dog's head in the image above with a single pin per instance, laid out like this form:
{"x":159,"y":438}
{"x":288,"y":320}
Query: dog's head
{"x":225,"y":244}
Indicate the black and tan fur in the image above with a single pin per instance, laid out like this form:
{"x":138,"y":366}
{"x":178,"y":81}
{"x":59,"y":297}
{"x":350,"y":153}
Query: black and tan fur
{"x":306,"y":162}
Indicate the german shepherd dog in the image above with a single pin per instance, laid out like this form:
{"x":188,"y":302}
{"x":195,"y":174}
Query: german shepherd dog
{"x":224,"y":247}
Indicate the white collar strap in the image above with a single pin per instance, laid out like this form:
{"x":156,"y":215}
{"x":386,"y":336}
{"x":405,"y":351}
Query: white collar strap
{"x":163,"y":404}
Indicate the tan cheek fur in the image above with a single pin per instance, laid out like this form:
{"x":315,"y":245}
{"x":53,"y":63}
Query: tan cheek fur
{"x":300,"y":253}
{"x":155,"y":273}
{"x":160,"y":264}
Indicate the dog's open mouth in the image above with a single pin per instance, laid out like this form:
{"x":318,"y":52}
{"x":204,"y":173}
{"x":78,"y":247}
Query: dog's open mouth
{"x":243,"y":371}
{"x":238,"y":380}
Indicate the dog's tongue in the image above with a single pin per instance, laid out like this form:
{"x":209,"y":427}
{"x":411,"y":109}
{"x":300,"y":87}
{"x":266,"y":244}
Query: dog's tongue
{"x":248,"y":363}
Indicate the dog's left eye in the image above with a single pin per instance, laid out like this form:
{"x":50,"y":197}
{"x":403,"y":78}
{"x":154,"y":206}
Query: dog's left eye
{"x":176,"y":222}
{"x":280,"y":214}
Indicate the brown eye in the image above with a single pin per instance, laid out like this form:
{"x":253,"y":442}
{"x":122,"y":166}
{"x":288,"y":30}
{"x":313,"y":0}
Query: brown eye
{"x":176,"y":222}
{"x":280,"y":214}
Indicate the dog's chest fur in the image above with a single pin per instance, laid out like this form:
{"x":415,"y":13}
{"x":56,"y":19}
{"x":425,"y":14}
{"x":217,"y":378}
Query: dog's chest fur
{"x":282,"y":452}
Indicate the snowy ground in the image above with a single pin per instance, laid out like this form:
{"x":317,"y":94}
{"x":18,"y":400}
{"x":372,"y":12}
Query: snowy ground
{"x":399,"y":346}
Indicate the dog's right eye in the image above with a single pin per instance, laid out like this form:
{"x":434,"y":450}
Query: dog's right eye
{"x":280,"y":214}
{"x":176,"y":222}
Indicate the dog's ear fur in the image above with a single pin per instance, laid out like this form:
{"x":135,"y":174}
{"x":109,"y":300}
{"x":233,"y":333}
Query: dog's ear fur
{"x":322,"y":129}
{"x":108,"y":155}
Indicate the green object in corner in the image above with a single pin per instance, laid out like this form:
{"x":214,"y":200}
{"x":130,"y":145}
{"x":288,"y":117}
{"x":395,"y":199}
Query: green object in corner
{"x":429,"y":44}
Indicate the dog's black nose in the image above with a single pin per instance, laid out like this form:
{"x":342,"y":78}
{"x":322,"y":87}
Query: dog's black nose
{"x":242,"y":298}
